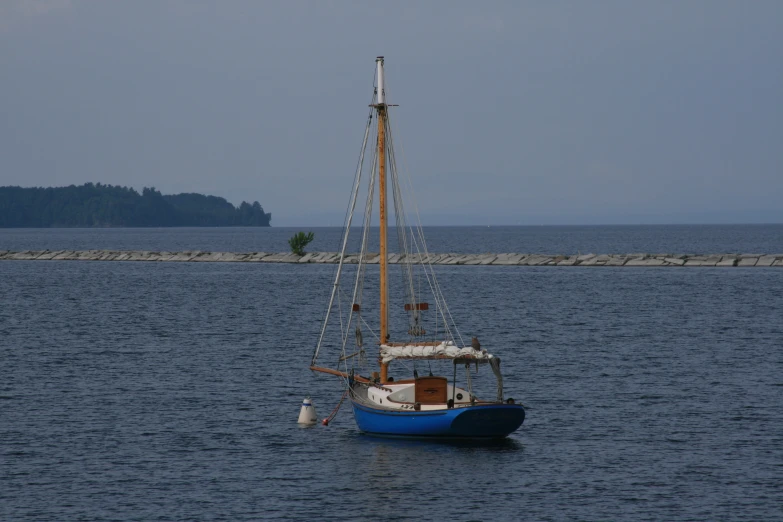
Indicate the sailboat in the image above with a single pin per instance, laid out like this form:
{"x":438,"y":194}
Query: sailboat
{"x":411,"y":336}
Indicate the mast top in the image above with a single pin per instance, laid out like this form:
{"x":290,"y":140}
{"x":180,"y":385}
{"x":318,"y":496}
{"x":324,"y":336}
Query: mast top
{"x":381,"y":85}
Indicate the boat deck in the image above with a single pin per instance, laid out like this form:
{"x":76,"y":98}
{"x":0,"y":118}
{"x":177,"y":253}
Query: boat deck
{"x":400,"y":396}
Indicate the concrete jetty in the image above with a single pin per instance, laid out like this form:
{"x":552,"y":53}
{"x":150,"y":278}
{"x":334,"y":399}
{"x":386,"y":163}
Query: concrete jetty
{"x":624,"y":260}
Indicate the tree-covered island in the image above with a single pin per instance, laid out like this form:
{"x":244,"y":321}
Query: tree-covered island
{"x":97,"y":205}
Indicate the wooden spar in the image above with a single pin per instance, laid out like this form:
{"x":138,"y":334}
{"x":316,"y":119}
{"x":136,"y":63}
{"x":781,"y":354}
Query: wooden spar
{"x":383,"y":220}
{"x":384,"y":251}
{"x":337,"y":372}
{"x":384,"y":257}
{"x":424,"y":343}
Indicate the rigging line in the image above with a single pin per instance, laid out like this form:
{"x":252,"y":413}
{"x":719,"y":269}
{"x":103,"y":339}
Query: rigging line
{"x":402,"y":240}
{"x":445,"y":311}
{"x":436,"y":285}
{"x":340,"y":297}
{"x":366,"y":224}
{"x":358,"y":272}
{"x":345,"y":238}
{"x":396,"y":201}
{"x":448,"y":319}
{"x":404,"y":364}
{"x":372,"y":101}
{"x":399,"y":212}
{"x":433,"y":285}
{"x":448,"y":312}
{"x":360,"y":268}
{"x":367,"y":221}
{"x":356,"y":293}
{"x":413,"y":239}
{"x":398,"y":187}
{"x":332,"y":415}
{"x":404,"y":235}
{"x":346,"y":226}
{"x":446,"y":306}
{"x":377,"y":337}
{"x":340,"y":311}
{"x":400,"y":227}
{"x":400,"y":221}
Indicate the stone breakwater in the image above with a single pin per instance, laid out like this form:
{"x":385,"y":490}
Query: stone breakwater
{"x":632,"y":260}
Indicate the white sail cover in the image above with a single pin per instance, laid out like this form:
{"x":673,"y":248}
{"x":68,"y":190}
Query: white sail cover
{"x":445,"y":350}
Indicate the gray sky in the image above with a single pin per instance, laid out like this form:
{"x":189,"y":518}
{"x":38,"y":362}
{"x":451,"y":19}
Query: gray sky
{"x":510,"y":112}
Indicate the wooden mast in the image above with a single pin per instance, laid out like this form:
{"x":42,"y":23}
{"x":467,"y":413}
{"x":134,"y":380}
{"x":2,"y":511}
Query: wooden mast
{"x":384,"y":282}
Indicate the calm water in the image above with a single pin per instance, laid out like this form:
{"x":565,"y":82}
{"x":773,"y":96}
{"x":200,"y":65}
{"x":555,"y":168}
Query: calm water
{"x":171,"y":391}
{"x":683,"y":239}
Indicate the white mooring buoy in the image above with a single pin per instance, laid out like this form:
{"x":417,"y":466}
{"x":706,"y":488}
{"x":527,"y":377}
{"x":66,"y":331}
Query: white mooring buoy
{"x":307,"y":413}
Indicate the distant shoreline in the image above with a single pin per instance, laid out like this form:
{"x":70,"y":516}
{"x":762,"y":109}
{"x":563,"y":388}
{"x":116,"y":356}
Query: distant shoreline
{"x":147,"y":227}
{"x":94,"y":205}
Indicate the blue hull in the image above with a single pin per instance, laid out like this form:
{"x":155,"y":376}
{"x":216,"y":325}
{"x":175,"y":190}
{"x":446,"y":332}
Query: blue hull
{"x":476,"y":422}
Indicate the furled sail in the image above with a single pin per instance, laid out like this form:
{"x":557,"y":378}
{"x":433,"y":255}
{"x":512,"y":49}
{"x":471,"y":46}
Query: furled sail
{"x":444,"y":350}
